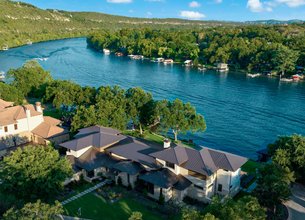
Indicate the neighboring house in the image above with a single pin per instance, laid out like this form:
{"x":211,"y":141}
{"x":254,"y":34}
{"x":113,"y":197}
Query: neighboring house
{"x":23,"y":124}
{"x":171,"y":170}
{"x":222,"y":67}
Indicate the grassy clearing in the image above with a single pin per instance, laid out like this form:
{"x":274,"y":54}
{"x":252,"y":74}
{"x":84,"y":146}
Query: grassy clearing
{"x":95,"y":207}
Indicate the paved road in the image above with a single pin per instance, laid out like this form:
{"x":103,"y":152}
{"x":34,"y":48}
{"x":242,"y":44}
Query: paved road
{"x":86,"y":192}
{"x":296,"y":204}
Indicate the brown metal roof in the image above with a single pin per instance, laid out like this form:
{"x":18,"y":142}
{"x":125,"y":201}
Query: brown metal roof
{"x":129,"y":167}
{"x":97,"y":140}
{"x":96,"y":129}
{"x":135,"y":150}
{"x":164,"y":178}
{"x":176,"y":155}
{"x":93,"y":159}
{"x":206,"y":161}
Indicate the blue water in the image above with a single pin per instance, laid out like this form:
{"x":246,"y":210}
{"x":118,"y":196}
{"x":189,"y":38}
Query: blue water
{"x":242,"y":114}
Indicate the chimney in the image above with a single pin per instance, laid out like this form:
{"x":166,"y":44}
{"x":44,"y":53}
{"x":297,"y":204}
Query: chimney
{"x":27,"y":112}
{"x":38,"y":107}
{"x":166,"y":143}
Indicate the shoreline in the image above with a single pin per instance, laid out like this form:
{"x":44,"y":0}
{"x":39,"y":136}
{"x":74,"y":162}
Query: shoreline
{"x":43,"y":41}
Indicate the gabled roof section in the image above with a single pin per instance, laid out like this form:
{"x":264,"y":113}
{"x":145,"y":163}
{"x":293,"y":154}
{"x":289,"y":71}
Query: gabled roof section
{"x":206,"y":161}
{"x":46,"y":130}
{"x":96,"y":129}
{"x":4,"y":104}
{"x":129,"y":167}
{"x":95,"y":139}
{"x":224,"y":160}
{"x":164,"y":178}
{"x":93,"y":159}
{"x":176,"y":155}
{"x":51,"y":121}
{"x":135,"y":150}
{"x":10,"y":115}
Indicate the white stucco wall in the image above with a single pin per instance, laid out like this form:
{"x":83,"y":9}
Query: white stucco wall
{"x":23,"y":125}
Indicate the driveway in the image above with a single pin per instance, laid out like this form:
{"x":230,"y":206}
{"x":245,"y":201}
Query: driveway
{"x":296,"y":204}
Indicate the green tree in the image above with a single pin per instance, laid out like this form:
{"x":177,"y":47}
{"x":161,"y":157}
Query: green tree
{"x":111,"y":107}
{"x":180,"y":117}
{"x":34,"y":172}
{"x":30,"y":79}
{"x":289,"y":151}
{"x":135,"y":216}
{"x":63,"y":92}
{"x":11,"y":93}
{"x":273,"y":185}
{"x":137,"y":98}
{"x":37,"y":210}
{"x":246,"y":207}
{"x":284,"y":59}
{"x":84,"y":117}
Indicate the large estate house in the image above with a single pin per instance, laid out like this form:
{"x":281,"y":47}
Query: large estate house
{"x":22,"y":124}
{"x":175,"y":171}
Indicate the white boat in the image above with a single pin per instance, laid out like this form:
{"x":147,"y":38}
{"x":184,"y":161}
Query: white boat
{"x":253,"y":75}
{"x":106,"y":51}
{"x":42,"y":58}
{"x":286,"y":80}
{"x":137,"y":57}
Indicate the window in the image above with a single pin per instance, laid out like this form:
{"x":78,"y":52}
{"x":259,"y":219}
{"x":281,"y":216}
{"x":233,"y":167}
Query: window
{"x":219,"y":188}
{"x":170,"y":165}
{"x":16,"y":126}
{"x":5,"y":129}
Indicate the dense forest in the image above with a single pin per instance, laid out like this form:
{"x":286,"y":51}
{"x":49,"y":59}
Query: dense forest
{"x":22,"y":22}
{"x":278,"y":48}
{"x":254,"y":48}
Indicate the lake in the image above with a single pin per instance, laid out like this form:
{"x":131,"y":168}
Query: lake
{"x":242,"y":114}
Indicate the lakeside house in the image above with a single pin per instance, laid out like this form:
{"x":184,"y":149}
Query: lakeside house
{"x":168,"y":61}
{"x":106,"y":51}
{"x":172,"y":170}
{"x":222,"y":67}
{"x":22,"y":124}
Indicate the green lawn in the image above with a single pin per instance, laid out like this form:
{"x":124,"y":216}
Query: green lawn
{"x":154,"y":137}
{"x":250,"y":166}
{"x":95,"y":207}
